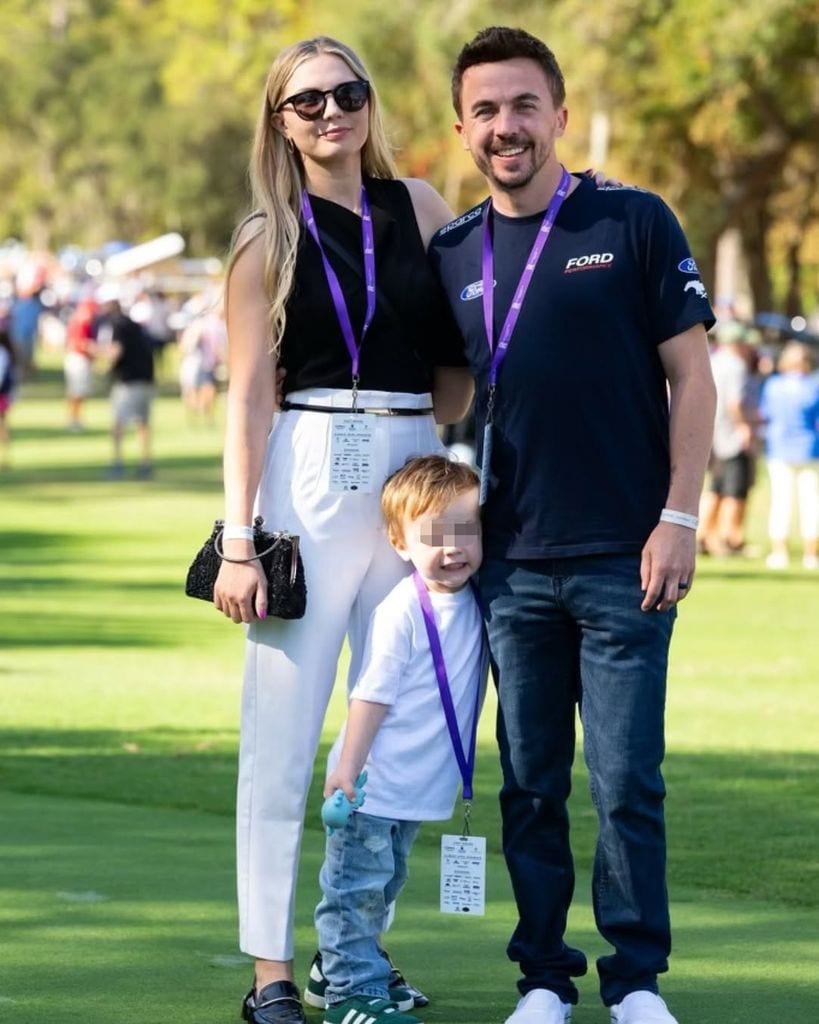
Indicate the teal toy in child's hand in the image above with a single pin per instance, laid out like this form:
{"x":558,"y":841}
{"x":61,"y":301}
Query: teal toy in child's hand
{"x":338,"y":807}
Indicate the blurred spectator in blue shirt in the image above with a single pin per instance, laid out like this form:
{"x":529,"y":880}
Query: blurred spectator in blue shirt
{"x":790,"y":408}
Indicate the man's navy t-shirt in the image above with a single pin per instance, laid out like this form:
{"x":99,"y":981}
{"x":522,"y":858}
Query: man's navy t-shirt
{"x":580,"y":460}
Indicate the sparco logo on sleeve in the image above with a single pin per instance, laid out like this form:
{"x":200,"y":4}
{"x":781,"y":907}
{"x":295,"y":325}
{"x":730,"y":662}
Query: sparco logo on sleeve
{"x":594,"y":261}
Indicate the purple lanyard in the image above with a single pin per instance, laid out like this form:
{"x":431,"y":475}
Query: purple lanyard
{"x":339,"y":301}
{"x":498,"y":351}
{"x":466,"y":763}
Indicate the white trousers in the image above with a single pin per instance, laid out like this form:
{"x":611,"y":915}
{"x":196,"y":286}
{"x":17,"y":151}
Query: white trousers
{"x":290,"y":667}
{"x":785,"y":477}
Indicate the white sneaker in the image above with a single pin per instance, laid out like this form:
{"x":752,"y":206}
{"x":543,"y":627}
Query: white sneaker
{"x":777,"y":560}
{"x":541,"y":1006}
{"x":810,"y":562}
{"x":641,"y":1008}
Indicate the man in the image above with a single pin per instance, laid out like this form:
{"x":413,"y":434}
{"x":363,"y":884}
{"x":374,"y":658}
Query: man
{"x":130,"y":359}
{"x":589,"y":519}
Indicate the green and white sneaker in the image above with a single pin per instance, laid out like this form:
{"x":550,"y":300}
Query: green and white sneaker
{"x":398,"y":981}
{"x":366,"y":1010}
{"x":402,"y":996}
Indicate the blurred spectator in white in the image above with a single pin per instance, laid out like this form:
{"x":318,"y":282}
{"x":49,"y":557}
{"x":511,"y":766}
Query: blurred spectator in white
{"x":790,"y":408}
{"x":78,"y":362}
{"x":202,"y":349}
{"x":733,"y":454}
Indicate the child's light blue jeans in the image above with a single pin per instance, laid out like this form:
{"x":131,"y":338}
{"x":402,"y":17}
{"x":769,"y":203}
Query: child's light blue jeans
{"x":364,"y":870}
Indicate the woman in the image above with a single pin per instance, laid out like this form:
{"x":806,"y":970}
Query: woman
{"x":325,"y":187}
{"x":790,"y":409}
{"x":202,"y":346}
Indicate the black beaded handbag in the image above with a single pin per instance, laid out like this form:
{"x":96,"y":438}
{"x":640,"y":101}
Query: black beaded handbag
{"x":280,"y":560}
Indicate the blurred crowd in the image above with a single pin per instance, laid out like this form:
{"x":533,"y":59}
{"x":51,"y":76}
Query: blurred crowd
{"x":767,"y":404}
{"x":118,"y":334}
{"x":113,"y":335}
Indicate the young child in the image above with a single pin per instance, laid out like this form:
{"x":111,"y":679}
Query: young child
{"x":396,"y":728}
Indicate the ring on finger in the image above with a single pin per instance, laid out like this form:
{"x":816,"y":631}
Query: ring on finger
{"x":682,"y":585}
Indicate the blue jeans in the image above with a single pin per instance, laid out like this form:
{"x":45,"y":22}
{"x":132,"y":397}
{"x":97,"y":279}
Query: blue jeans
{"x":566,"y":631}
{"x":364,"y":870}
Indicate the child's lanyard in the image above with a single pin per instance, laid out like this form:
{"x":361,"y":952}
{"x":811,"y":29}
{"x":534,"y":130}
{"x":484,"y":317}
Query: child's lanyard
{"x":466,"y":762}
{"x":498,"y":352}
{"x":336,"y":292}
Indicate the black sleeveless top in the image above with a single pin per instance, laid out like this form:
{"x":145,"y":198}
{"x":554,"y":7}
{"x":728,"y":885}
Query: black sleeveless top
{"x":413,"y":328}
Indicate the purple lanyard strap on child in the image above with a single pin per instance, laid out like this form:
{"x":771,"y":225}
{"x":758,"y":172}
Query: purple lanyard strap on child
{"x":466,"y":761}
{"x":339,"y":302}
{"x":498,"y":352}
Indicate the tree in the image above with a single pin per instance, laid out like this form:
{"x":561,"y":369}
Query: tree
{"x":711,"y":102}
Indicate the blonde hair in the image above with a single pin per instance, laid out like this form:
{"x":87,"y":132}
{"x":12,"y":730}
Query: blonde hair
{"x":277,"y":175}
{"x":427,"y":483}
{"x":795,"y":357}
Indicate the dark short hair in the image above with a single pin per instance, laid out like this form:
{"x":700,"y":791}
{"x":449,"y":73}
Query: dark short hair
{"x":494,"y":44}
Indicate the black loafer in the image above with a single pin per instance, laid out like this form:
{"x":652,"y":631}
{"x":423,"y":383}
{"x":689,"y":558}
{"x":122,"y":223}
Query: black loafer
{"x":277,"y":1003}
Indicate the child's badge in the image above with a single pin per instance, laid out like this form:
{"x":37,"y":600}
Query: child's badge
{"x":352,"y":445}
{"x":463,"y":875}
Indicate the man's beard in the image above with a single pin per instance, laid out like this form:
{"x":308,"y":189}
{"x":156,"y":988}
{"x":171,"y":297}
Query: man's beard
{"x":535,"y":159}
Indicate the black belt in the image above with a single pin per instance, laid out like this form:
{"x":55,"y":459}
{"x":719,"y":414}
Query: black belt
{"x":303,"y":406}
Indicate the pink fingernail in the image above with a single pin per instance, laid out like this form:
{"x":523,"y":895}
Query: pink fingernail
{"x":263,"y":613}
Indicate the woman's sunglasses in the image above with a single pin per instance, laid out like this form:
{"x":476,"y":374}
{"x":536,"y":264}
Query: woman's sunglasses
{"x":310,"y":104}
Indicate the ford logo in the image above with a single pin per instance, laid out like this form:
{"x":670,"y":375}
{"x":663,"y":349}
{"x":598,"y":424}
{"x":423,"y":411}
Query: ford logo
{"x":688,"y":266}
{"x":472,"y":291}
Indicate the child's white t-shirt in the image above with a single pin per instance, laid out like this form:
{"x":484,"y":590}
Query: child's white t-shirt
{"x":412,"y":771}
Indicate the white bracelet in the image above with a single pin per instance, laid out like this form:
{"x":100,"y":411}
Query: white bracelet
{"x":237,"y":533}
{"x":669,"y":515}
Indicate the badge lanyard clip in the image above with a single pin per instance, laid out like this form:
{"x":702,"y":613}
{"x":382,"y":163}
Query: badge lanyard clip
{"x":467,"y":818}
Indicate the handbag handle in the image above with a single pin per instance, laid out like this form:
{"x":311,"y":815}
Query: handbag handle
{"x":217,"y":545}
{"x":219,"y":549}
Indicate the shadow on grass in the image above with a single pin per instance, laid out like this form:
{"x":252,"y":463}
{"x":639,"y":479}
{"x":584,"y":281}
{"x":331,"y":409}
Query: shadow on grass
{"x":132,"y":912}
{"x":93,"y":585}
{"x":37,"y":546}
{"x":73,"y":629}
{"x":739,"y":824}
{"x":194,"y":473}
{"x":45,"y":433}
{"x":162,"y":768}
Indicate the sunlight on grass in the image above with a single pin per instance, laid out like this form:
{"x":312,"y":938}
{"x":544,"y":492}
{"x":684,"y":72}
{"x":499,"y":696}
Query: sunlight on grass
{"x":120,"y":702}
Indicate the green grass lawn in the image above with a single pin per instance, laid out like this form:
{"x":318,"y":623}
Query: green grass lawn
{"x":119,"y":701}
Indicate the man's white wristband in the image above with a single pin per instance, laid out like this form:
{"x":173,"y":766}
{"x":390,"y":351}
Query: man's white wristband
{"x":237,"y":533}
{"x":669,"y":515}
